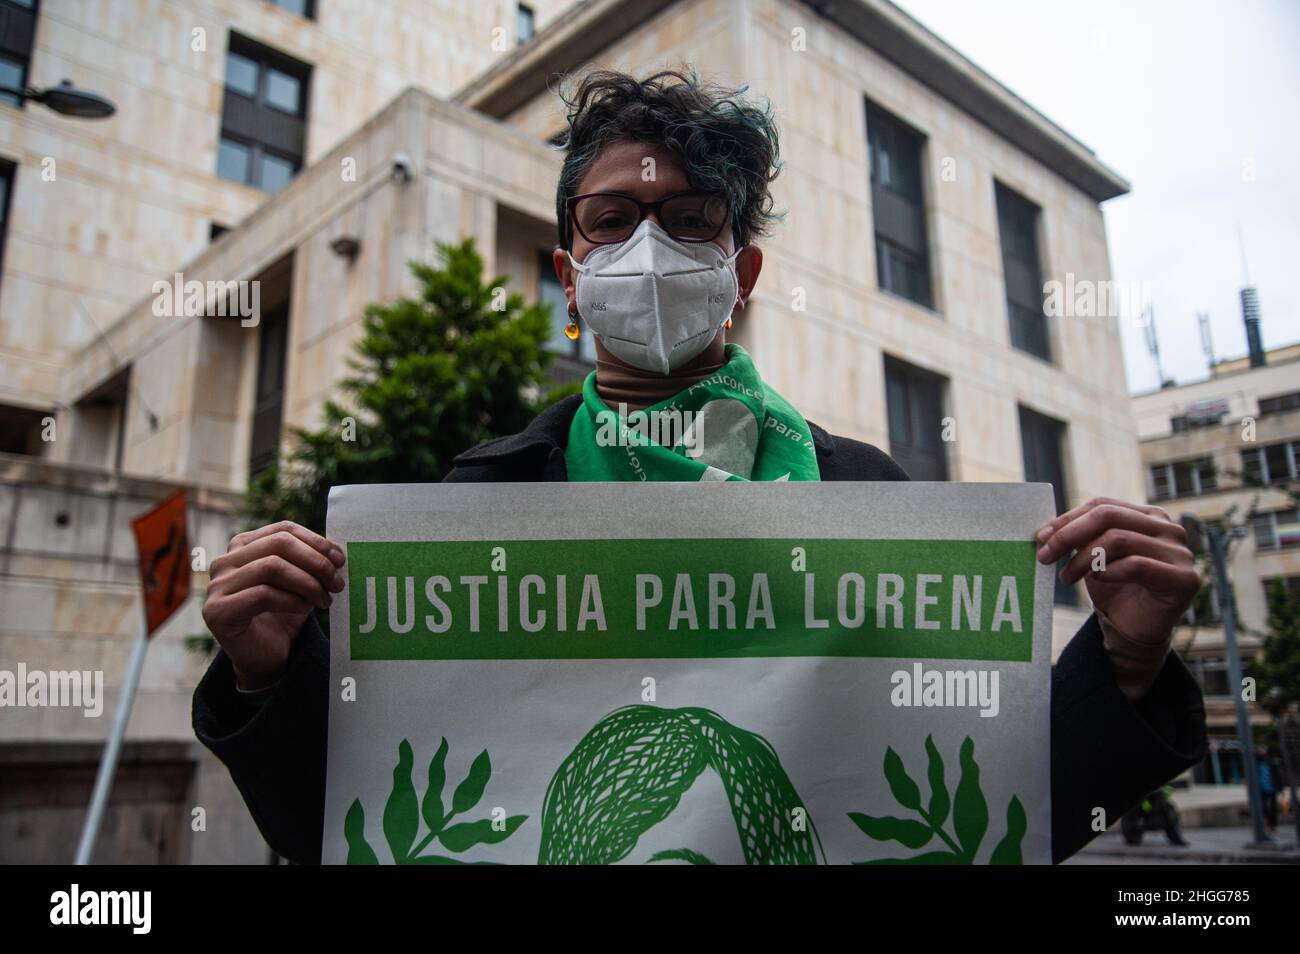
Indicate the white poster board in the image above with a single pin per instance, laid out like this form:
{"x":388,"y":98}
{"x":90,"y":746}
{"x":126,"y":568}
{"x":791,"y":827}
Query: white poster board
{"x":680,"y":672}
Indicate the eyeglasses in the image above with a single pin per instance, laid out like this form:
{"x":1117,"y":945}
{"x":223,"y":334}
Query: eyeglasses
{"x":603,"y":218}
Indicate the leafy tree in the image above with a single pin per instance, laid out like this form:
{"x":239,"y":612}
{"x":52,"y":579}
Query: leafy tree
{"x":431,"y":376}
{"x":1279,"y":669}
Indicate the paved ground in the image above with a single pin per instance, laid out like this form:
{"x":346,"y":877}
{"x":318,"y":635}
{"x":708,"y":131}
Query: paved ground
{"x":1206,"y":846}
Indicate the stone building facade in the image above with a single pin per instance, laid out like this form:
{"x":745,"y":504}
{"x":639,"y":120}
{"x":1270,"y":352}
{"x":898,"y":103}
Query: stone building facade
{"x":897,"y":301}
{"x":1228,"y":449}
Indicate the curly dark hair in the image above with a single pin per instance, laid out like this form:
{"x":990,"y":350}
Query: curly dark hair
{"x":727,"y":145}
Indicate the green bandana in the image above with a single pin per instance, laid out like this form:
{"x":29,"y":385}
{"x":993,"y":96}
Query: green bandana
{"x":730,"y":426}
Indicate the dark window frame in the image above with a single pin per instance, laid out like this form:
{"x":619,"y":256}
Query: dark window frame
{"x":1185,"y":477}
{"x":896,"y":159}
{"x":915,"y":405}
{"x":268,"y":401}
{"x":308,"y":11}
{"x":18,"y":41}
{"x":1019,"y":221}
{"x":9,"y":174}
{"x":1047,"y":465}
{"x":1255,"y":462}
{"x":1264,"y":527}
{"x":524,"y":13}
{"x":1279,"y":403}
{"x":257,"y":124}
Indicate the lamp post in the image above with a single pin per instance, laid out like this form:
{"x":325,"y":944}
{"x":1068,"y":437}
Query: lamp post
{"x":1214,"y":540}
{"x":66,"y":100}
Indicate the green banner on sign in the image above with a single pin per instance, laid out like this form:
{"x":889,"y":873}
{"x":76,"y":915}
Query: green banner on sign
{"x":691,"y":598}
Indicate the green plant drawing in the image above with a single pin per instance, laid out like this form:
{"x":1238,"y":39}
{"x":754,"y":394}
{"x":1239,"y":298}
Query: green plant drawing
{"x":403,"y":812}
{"x":968,"y":809}
{"x":630,"y":771}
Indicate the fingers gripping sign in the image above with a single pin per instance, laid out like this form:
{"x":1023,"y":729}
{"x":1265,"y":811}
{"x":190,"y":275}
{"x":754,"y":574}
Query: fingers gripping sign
{"x":262,"y":589}
{"x":1133,"y":559}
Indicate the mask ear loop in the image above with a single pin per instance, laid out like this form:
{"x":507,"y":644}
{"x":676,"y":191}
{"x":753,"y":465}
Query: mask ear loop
{"x":730,"y":260}
{"x":579,"y":266}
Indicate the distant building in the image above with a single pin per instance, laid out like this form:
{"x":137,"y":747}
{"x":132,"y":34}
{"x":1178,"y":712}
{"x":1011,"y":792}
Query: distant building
{"x":901,"y":302}
{"x":1228,"y":448}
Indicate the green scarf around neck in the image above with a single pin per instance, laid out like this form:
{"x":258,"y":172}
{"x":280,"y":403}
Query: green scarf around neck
{"x":729,"y":426}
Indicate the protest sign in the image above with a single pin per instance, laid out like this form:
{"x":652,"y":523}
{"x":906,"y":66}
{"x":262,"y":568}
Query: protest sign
{"x":727,"y":673}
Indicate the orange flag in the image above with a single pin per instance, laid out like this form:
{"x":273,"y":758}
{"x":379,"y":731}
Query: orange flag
{"x":163,"y":546}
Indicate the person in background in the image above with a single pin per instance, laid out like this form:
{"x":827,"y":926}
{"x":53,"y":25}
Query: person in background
{"x":1267,"y":769}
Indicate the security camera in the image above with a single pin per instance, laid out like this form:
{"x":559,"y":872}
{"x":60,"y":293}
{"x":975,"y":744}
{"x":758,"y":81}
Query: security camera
{"x":402,"y":170}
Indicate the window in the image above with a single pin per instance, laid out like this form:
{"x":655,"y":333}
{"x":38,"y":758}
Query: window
{"x":1277,"y":530}
{"x":7,"y":171}
{"x":303,"y":8}
{"x":1184,"y":423}
{"x":1211,"y":674}
{"x":1041,"y":438}
{"x":1022,"y":273}
{"x":1273,"y":464}
{"x":17,"y":28}
{"x":21,"y":430}
{"x":915,"y":403}
{"x":268,"y":401}
{"x":263,"y":117}
{"x":551,"y":292}
{"x":1279,"y":403}
{"x":1184,"y":478}
{"x":898,"y":207}
{"x":525,"y":22}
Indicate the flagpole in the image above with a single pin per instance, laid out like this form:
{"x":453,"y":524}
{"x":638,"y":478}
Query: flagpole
{"x":108,"y":764}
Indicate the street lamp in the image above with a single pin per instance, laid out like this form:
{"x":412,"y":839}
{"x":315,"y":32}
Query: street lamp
{"x":1214,"y":540}
{"x":66,"y":100}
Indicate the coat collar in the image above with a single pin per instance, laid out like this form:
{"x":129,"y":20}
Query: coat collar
{"x":549,"y":431}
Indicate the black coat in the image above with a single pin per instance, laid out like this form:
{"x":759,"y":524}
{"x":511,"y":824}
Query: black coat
{"x":1106,"y":752}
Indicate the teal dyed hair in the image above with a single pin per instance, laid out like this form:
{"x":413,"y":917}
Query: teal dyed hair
{"x":726,"y":144}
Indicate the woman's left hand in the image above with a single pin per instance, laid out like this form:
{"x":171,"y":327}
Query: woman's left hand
{"x":1145,"y":577}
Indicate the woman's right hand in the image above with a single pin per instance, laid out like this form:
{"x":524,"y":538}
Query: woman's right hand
{"x":260,"y":592}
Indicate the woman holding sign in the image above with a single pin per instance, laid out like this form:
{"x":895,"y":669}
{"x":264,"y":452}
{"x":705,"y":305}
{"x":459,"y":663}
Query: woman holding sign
{"x":663,"y":192}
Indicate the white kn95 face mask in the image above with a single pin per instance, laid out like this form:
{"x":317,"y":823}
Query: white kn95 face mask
{"x":653,"y":301}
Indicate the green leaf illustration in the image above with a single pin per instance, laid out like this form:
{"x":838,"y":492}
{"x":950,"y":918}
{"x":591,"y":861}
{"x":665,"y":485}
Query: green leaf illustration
{"x":911,"y":834}
{"x":939,"y":803}
{"x":968,"y":810}
{"x":970,"y":813}
{"x":466,"y":835}
{"x":470,"y":791}
{"x":354,"y":830}
{"x":434,"y":814}
{"x":929,"y":858}
{"x":1008,"y":850}
{"x":679,"y":854}
{"x":402,"y":814}
{"x":900,"y":783}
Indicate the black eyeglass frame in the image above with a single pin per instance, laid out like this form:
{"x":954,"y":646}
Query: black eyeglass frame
{"x":571,"y":220}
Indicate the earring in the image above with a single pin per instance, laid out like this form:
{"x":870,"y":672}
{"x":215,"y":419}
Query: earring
{"x":728,"y":324}
{"x":571,"y":330}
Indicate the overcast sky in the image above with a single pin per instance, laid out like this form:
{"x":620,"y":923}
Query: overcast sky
{"x":1188,"y":100}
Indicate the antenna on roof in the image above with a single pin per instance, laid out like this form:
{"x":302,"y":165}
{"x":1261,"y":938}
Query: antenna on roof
{"x":1207,"y":338}
{"x":1250,"y":311}
{"x":1153,"y":342}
